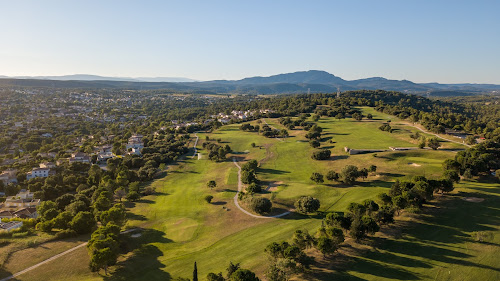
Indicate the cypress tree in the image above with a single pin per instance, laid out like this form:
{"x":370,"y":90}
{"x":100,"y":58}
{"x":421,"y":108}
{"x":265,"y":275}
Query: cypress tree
{"x":195,"y":273}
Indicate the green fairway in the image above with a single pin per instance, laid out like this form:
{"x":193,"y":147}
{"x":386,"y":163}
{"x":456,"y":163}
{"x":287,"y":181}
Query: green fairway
{"x":179,"y":227}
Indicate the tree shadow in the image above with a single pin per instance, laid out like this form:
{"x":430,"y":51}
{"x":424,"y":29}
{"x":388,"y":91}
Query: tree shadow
{"x":339,"y":157}
{"x":272,"y":171}
{"x":142,"y":263}
{"x":394,"y":175}
{"x":133,"y":216}
{"x":4,"y":274}
{"x":219,"y":203}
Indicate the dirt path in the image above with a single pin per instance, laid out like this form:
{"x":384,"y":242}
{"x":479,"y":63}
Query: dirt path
{"x":240,"y":187}
{"x":427,"y":132}
{"x":272,"y":127}
{"x":53,"y":258}
{"x":195,"y":149}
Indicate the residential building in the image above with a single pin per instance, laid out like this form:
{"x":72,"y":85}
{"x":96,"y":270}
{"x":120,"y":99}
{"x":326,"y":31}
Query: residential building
{"x":38,"y":173}
{"x":9,"y":176}
{"x":23,"y":199}
{"x":79,"y":157}
{"x":104,"y":156}
{"x":47,"y":165}
{"x":8,"y":226}
{"x":136,"y":142}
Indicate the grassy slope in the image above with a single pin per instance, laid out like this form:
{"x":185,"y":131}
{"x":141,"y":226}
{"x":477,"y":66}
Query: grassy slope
{"x":181,"y":228}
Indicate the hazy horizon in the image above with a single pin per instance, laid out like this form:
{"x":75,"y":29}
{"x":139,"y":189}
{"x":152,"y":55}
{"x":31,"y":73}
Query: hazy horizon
{"x":420,"y":41}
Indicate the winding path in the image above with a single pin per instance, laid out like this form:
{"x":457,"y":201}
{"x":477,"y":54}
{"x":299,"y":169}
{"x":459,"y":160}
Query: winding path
{"x":240,"y":187}
{"x":53,"y":258}
{"x":427,"y":132}
{"x":195,"y":149}
{"x":272,"y":127}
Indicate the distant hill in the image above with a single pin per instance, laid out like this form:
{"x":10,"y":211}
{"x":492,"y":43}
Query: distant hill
{"x":297,"y":82}
{"x":88,"y":77}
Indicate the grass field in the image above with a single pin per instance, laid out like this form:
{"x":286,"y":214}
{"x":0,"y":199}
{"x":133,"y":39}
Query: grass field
{"x":180,"y":228}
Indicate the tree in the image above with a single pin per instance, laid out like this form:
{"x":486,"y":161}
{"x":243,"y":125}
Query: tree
{"x":133,"y":196}
{"x":231,"y":268}
{"x":451,"y":175}
{"x":332,"y":176}
{"x":208,"y":198}
{"x":44,"y":207}
{"x":254,"y":188}
{"x":251,"y":165}
{"x":211,"y":184}
{"x":363,"y":173}
{"x":349,"y":174}
{"x":317,"y":178}
{"x":261,"y":205}
{"x":399,"y":202}
{"x":470,"y":140}
{"x":120,"y":193}
{"x":244,"y":275}
{"x":385,"y":198}
{"x":315,"y":118}
{"x":248,"y":177}
{"x":373,"y":168}
{"x":307,"y":204}
{"x":215,"y":277}
{"x":385,"y":214}
{"x":302,"y":239}
{"x":433,"y":143}
{"x":323,"y":154}
{"x":115,"y":214}
{"x":103,"y":247}
{"x":195,"y":273}
{"x":369,"y":116}
{"x":326,"y":245}
{"x":357,"y":116}
{"x":422,"y":142}
{"x":314,"y":143}
{"x":62,"y":220}
{"x":76,"y":207}
{"x":82,"y":223}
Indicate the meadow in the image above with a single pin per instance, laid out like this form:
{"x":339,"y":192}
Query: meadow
{"x":178,"y":227}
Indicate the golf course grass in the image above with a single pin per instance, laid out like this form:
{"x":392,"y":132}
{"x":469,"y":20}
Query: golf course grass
{"x":179,"y":227}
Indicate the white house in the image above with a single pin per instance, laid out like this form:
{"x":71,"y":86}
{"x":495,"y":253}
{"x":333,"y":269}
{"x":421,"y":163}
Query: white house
{"x":104,"y":156}
{"x":79,"y":157}
{"x":47,"y":135}
{"x":135,"y":141}
{"x":38,"y":173}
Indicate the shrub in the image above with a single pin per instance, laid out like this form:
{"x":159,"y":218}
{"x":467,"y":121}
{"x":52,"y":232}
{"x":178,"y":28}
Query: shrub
{"x":261,"y":205}
{"x":209,"y":198}
{"x":307,"y":204}
{"x":66,"y":233}
{"x":323,"y":154}
{"x":254,"y":188}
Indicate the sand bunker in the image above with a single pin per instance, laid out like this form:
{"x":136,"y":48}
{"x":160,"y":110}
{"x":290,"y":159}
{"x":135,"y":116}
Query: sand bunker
{"x":274,"y":186}
{"x":414,"y":164}
{"x":473,"y":199}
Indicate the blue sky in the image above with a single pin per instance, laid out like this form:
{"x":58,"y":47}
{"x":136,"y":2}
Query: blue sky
{"x":422,"y":41}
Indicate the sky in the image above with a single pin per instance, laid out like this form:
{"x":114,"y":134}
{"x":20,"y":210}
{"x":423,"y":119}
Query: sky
{"x":418,"y":40}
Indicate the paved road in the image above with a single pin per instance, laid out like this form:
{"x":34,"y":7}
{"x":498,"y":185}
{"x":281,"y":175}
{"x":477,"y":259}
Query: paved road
{"x":53,"y":258}
{"x":240,"y":187}
{"x":427,"y":132}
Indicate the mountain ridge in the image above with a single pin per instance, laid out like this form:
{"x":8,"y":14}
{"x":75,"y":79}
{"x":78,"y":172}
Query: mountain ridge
{"x":295,"y":82}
